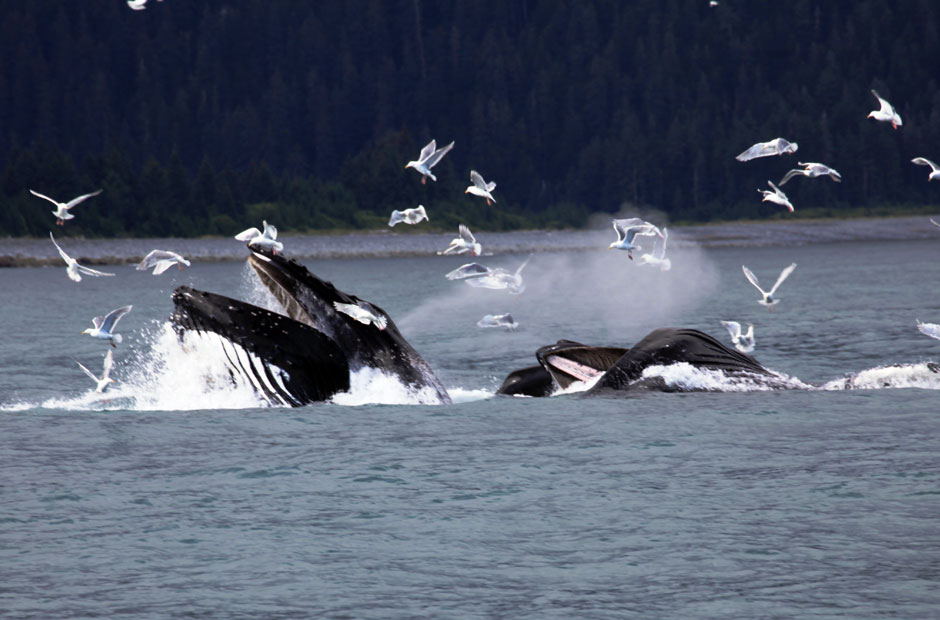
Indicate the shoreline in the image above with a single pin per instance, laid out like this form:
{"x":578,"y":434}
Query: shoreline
{"x":36,"y":252}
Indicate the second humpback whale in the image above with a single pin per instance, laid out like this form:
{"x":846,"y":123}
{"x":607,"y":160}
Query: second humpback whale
{"x":307,"y":355}
{"x":618,"y":369}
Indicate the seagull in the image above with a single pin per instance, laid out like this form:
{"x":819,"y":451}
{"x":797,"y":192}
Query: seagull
{"x":934,"y":170}
{"x":712,"y":3}
{"x":658,"y":257}
{"x":500,"y":279}
{"x":408,"y":216}
{"x":105,"y":380}
{"x":161,"y":260}
{"x":103,"y":326}
{"x":935,"y":223}
{"x":470,"y":270}
{"x":62,"y":208}
{"x":73,"y":268}
{"x":627,"y":230}
{"x":480,"y":187}
{"x":429,"y":157}
{"x":776,"y":196}
{"x":886,"y":113}
{"x":364,"y":312}
{"x":137,"y":5}
{"x":929,"y":329}
{"x":768,"y":299}
{"x":812,"y":170}
{"x":778,"y":146}
{"x":742,"y":342}
{"x":265,"y":240}
{"x":466,"y":242}
{"x":498,"y":320}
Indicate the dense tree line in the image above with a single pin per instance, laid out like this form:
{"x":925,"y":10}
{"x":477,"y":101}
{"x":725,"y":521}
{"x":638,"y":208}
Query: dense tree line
{"x":204,"y":117}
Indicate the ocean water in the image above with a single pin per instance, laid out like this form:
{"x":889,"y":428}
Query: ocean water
{"x":176,"y":494}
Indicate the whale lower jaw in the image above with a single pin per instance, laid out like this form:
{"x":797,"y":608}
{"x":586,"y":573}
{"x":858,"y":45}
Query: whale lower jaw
{"x":286,"y":362}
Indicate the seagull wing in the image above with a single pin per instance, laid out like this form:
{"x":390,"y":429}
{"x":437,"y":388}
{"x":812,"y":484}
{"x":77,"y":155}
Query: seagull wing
{"x":162,"y":266}
{"x":113,"y":317}
{"x":108,"y":365}
{"x":437,"y":155}
{"x":734,"y":329}
{"x":477,"y":180}
{"x":783,"y":276}
{"x":248,"y":235}
{"x":934,"y":223}
{"x":470,"y":270}
{"x":90,"y":374}
{"x":921,"y":161}
{"x":46,"y":197}
{"x":886,"y":107}
{"x":790,"y":175}
{"x":427,"y":151}
{"x":397,"y":216}
{"x":270,"y":231}
{"x":929,"y":329}
{"x":74,"y":201}
{"x":466,"y":235}
{"x":65,"y":257}
{"x":491,"y":186}
{"x":756,"y":150}
{"x":661,"y":253}
{"x":752,"y":279}
{"x":155,"y":257}
{"x":92,"y":272}
{"x":522,"y":266}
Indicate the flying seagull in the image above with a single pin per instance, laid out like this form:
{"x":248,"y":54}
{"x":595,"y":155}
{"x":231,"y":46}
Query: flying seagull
{"x":812,"y":170}
{"x":498,"y":279}
{"x":886,"y":113}
{"x":364,"y":312}
{"x":934,"y":170}
{"x":498,"y":320}
{"x":627,"y":230}
{"x":777,"y":146}
{"x":408,"y":216}
{"x":775,"y":196}
{"x":929,"y":329}
{"x":104,"y":327}
{"x":266,"y":239}
{"x":742,"y":342}
{"x":658,"y":257}
{"x":480,"y":187}
{"x":768,"y":296}
{"x":62,"y":208}
{"x":101,"y":384}
{"x":161,"y":260}
{"x":466,"y":242}
{"x":429,"y":157}
{"x":73,"y":268}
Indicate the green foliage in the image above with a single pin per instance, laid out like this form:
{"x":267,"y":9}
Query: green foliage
{"x":208,"y":117}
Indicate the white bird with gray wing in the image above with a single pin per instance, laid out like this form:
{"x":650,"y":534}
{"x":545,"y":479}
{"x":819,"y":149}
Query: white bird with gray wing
{"x":768,"y":296}
{"x":73,"y":269}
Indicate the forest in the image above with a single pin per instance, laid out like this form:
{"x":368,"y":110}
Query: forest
{"x":206,"y":117}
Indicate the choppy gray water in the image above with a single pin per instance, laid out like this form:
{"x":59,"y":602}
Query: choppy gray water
{"x":173,"y":498}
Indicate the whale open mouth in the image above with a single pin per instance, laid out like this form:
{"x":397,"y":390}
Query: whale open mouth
{"x":309,"y":354}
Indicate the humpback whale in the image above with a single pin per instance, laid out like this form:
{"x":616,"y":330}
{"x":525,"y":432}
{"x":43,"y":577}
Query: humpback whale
{"x":614,"y":368}
{"x":307,"y":355}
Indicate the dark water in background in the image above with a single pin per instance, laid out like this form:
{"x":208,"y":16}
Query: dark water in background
{"x":172,"y":499}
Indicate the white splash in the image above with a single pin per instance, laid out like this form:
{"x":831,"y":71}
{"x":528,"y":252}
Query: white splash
{"x":465,"y":395}
{"x":685,"y":376}
{"x":924,"y":375}
{"x":371,"y":386}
